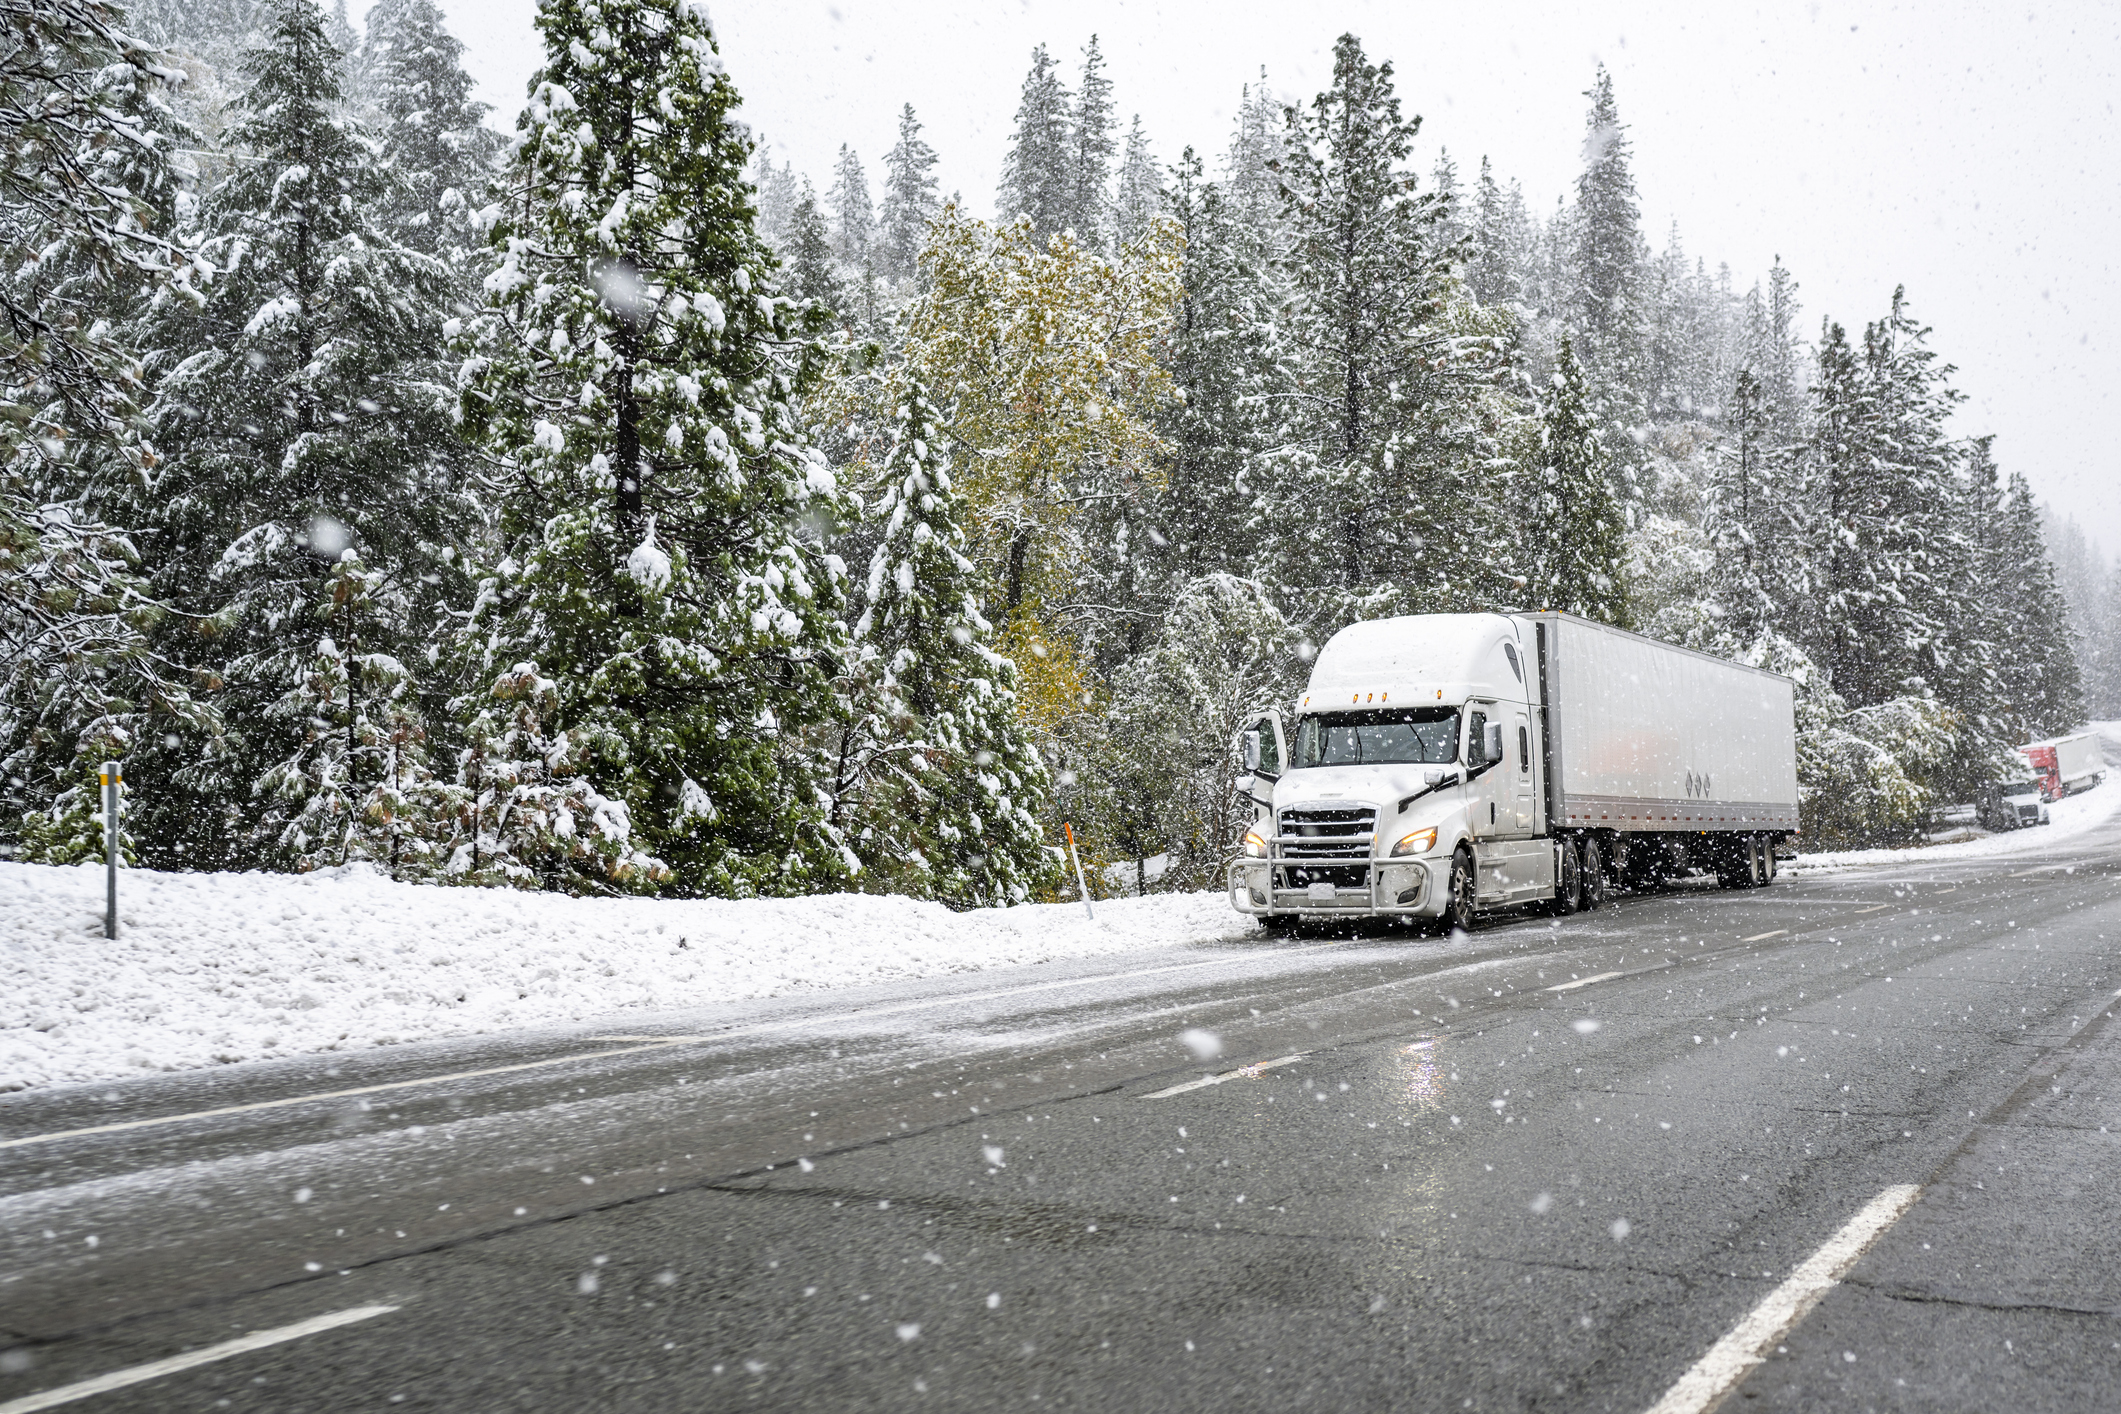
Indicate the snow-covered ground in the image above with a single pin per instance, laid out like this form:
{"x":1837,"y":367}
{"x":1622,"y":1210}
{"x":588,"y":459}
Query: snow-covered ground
{"x":217,"y":968}
{"x":2077,"y":815}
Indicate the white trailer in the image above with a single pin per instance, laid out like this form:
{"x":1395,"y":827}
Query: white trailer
{"x":1442,"y":764}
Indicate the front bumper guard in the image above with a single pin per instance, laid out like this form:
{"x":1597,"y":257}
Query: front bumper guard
{"x":1396,"y":888}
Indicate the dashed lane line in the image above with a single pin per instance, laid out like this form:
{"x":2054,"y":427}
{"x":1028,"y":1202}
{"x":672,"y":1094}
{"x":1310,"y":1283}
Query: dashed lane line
{"x":1584,"y":982}
{"x":190,"y":1359}
{"x":1763,"y":937}
{"x":1241,"y":1073}
{"x":1746,"y":1345}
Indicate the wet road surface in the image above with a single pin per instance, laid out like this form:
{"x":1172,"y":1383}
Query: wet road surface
{"x":1547,"y":1166}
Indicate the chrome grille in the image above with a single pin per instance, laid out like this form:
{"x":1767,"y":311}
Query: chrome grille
{"x":1327,"y":831}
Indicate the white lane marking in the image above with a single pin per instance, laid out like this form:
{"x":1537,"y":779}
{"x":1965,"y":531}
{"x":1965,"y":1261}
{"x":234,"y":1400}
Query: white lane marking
{"x":1583,"y":982}
{"x":154,"y":1370}
{"x":658,"y":1043}
{"x":1872,"y":909}
{"x":326,"y":1095}
{"x":1763,"y":937}
{"x":2041,"y":869}
{"x":1242,"y":1072}
{"x":1731,"y":1359}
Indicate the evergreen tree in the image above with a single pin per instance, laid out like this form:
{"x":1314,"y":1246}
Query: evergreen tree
{"x":1883,"y":484}
{"x":1372,"y":490}
{"x":1220,"y":353}
{"x":1577,"y":528}
{"x":302,"y":414}
{"x":779,"y":189}
{"x":910,"y":201}
{"x":88,"y":199}
{"x":527,"y":814}
{"x":357,"y":784}
{"x":945,"y":782}
{"x":853,"y":216}
{"x":1090,"y":149}
{"x":433,"y":135}
{"x":635,"y":377}
{"x":1252,"y":177}
{"x":1038,"y":174}
{"x":1141,"y":187}
{"x":2037,"y":665}
{"x":812,"y":275}
{"x":1608,"y":255}
{"x":1492,"y":272}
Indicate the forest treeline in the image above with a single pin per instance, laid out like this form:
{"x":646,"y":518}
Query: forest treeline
{"x":603,"y":508}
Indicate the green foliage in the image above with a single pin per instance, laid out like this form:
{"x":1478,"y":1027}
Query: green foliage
{"x":632,"y":376}
{"x":1577,"y":528}
{"x":940,"y":785}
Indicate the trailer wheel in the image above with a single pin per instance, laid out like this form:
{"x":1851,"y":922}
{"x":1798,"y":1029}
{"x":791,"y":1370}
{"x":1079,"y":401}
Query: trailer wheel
{"x":1458,"y":906}
{"x":1592,"y":872}
{"x":1568,"y":888}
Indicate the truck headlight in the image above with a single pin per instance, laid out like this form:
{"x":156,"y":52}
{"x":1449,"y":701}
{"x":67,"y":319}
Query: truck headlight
{"x":1419,"y":842}
{"x":1255,"y":845}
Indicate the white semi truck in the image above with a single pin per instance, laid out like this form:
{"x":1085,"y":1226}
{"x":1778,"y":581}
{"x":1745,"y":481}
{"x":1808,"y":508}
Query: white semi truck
{"x":1441,"y":765}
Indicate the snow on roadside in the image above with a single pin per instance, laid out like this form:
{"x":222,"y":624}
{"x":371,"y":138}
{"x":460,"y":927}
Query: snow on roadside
{"x":2076,"y":815}
{"x":217,"y":968}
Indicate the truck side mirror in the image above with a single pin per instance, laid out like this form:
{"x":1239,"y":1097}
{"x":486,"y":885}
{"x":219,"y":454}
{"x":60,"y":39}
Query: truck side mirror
{"x":1492,"y":747}
{"x":1251,"y":749}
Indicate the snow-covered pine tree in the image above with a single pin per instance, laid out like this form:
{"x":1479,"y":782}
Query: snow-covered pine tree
{"x":432,"y":134}
{"x":910,"y":201}
{"x":948,"y":803}
{"x":1038,"y":173}
{"x":1252,"y":179}
{"x":302,"y":413}
{"x":1140,"y":196}
{"x":779,"y":189}
{"x":1883,"y":486}
{"x":1577,"y":529}
{"x":1492,"y":271}
{"x":1090,"y":151}
{"x":1220,"y":353}
{"x":1608,"y":256}
{"x":853,"y":215}
{"x":88,"y":200}
{"x":2033,"y":648}
{"x":357,"y":784}
{"x":527,"y":814}
{"x":1374,"y":487}
{"x":634,"y":375}
{"x":812,"y":273}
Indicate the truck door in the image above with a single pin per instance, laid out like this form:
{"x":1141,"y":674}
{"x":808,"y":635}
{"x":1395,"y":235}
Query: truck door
{"x":1523,"y":780}
{"x":1489,"y":785}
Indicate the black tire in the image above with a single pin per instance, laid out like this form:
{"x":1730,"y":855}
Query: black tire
{"x":1458,"y":903}
{"x":1591,"y":868}
{"x":1568,"y":889}
{"x":1733,"y":869}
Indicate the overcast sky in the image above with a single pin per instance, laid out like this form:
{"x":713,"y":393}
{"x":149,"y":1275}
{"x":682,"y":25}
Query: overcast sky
{"x":1964,"y":150}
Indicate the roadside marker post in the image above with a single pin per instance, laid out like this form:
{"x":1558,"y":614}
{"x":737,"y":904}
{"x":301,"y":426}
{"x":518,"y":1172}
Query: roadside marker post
{"x":113,"y":774}
{"x":1082,"y":886}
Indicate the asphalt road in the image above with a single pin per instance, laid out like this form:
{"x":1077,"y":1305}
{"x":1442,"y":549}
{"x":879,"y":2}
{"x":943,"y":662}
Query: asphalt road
{"x":1466,"y":1185}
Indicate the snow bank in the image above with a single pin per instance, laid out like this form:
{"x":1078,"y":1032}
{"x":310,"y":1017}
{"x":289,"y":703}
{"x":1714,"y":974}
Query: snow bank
{"x":2076,"y":815}
{"x":216,"y":968}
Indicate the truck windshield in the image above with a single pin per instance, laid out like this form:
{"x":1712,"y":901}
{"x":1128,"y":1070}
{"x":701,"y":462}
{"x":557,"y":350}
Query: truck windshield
{"x":1399,"y":734}
{"x":2016,"y":788}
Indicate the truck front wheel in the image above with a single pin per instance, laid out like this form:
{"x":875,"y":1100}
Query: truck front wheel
{"x":1458,"y":906}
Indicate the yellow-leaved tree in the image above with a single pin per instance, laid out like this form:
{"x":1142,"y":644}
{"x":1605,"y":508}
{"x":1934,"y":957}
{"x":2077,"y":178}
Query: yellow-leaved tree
{"x":1043,"y":358}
